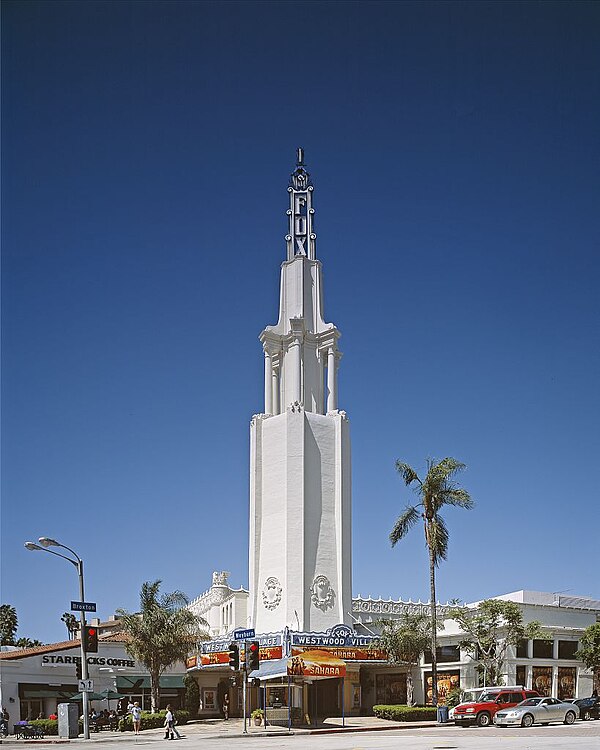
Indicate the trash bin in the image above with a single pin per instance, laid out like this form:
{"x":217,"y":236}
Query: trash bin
{"x":442,"y":714}
{"x":68,"y":720}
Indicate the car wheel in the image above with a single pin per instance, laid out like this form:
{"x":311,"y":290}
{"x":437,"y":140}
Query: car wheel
{"x":569,"y":717}
{"x":586,"y":716}
{"x":527,"y":721}
{"x":483,"y":719}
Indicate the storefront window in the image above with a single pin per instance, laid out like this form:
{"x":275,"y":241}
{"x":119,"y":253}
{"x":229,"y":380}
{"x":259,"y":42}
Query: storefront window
{"x":566,"y":682}
{"x":31,"y":709}
{"x":390,"y":689}
{"x":446,"y":681}
{"x":542,"y":680}
{"x":521,"y":674}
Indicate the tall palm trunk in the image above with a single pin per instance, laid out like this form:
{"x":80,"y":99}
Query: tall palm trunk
{"x":433,"y":610}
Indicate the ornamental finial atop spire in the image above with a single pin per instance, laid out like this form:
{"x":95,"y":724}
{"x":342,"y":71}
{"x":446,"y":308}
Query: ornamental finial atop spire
{"x":301,"y":239}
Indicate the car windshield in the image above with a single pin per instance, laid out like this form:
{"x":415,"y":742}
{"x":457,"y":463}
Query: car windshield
{"x":488,"y":697}
{"x":531,"y":702}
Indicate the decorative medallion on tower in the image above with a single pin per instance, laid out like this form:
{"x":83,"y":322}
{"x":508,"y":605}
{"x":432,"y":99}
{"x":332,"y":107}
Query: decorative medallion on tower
{"x":301,"y":239}
{"x":322,"y":593}
{"x":271,"y":594}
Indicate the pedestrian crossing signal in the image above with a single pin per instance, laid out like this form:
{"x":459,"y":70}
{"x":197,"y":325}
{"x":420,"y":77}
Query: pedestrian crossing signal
{"x":234,"y":656}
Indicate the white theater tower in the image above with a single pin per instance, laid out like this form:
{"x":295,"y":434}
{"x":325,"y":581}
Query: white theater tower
{"x":300,"y":482}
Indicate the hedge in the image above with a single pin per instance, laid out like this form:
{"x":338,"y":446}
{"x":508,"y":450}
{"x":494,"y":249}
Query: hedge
{"x":406,"y":713}
{"x":48,"y":726}
{"x":149,"y":721}
{"x":153,"y":721}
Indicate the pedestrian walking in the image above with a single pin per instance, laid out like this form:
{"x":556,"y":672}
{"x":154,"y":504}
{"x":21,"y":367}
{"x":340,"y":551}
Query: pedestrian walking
{"x":170,"y":721}
{"x":226,"y":706}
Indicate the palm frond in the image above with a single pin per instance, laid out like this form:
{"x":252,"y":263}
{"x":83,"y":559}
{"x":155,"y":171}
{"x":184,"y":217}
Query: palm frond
{"x":437,"y":539}
{"x":405,"y":522}
{"x":458,"y":497}
{"x":407,"y":472}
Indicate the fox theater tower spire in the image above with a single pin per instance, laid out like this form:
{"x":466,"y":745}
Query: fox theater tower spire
{"x":300,"y":484}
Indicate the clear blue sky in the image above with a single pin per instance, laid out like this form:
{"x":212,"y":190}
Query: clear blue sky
{"x":146,"y":150}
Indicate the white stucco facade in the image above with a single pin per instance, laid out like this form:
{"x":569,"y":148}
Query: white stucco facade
{"x":300,"y":482}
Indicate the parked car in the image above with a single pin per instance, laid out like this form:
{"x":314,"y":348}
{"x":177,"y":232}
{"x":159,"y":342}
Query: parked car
{"x":483,"y":710}
{"x":537,"y":711}
{"x":589,"y":708}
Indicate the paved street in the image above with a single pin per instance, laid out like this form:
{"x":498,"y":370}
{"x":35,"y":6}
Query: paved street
{"x":369,"y":734}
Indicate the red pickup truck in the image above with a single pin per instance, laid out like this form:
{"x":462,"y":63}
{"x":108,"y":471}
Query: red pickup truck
{"x":483,"y":710}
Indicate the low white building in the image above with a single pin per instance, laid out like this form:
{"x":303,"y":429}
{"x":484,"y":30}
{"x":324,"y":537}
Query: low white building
{"x":548,"y":666}
{"x":34,"y":681}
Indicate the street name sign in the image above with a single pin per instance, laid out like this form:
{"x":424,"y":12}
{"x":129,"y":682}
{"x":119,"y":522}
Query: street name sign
{"x":241,"y":635}
{"x":85,"y":686}
{"x":83,"y":606}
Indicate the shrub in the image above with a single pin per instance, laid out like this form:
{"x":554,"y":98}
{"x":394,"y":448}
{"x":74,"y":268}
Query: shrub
{"x":406,"y":713}
{"x":153,"y":721}
{"x":48,"y":726}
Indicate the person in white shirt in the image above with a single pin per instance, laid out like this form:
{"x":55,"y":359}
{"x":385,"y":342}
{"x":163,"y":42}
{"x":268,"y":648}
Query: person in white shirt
{"x":136,"y":715}
{"x":170,"y":722}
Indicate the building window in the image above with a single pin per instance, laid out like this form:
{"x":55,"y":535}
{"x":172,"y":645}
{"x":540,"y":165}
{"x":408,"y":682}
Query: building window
{"x":542,"y":649}
{"x":521,"y":675}
{"x":542,"y":680}
{"x":522,"y":649}
{"x":444,"y":654}
{"x":566,"y":682}
{"x":567,"y":649}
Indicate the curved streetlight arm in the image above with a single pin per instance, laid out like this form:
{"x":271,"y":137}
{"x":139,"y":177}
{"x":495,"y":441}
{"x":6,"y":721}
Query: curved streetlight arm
{"x":64,"y":557}
{"x":47,"y":542}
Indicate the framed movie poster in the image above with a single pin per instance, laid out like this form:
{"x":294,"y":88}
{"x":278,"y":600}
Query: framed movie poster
{"x":209,"y":699}
{"x":566,"y":682}
{"x":355,"y":696}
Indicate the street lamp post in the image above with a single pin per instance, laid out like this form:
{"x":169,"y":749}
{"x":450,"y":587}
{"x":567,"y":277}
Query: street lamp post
{"x":78,"y":563}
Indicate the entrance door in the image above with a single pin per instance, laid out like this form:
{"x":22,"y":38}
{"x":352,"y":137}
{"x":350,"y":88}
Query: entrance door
{"x":325,"y":698}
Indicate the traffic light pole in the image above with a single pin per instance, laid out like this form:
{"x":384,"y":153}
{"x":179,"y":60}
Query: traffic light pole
{"x":245,"y":681}
{"x":84,"y":666}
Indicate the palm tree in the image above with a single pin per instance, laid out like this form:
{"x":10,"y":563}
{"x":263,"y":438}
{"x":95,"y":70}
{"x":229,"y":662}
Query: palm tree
{"x":435,"y":491}
{"x":404,"y":641}
{"x":162,"y":633}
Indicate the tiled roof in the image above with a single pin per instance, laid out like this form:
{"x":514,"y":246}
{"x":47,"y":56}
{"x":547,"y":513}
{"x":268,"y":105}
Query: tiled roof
{"x":23,"y":653}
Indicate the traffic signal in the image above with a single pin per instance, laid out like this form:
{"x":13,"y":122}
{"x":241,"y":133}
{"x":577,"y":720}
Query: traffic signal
{"x":234,"y":655}
{"x":252,"y":656}
{"x":90,"y":639}
{"x":78,"y":669}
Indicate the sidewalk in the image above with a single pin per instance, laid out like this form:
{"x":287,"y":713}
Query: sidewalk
{"x":218,"y":729}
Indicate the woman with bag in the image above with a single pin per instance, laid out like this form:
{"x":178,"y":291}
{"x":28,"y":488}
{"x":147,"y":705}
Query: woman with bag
{"x":170,"y":721}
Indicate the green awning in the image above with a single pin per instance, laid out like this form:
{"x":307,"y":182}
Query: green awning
{"x":128,"y":684}
{"x":46,"y":693}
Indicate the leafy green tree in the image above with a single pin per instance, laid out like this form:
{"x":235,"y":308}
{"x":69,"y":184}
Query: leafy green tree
{"x":9,"y":622}
{"x":589,"y":651}
{"x":71,"y":623}
{"x":192,"y":695}
{"x":490,"y":629}
{"x":435,"y":491}
{"x":162,"y":633}
{"x":404,"y":641}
